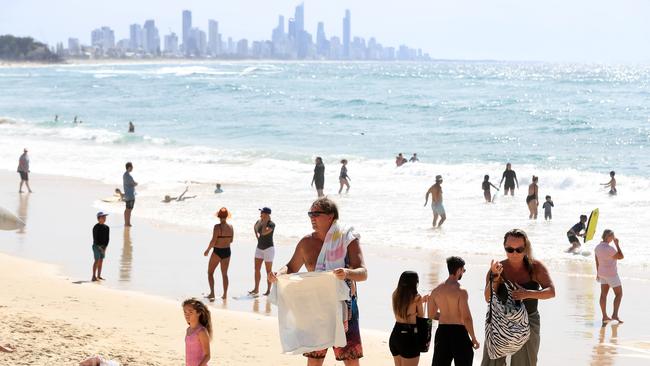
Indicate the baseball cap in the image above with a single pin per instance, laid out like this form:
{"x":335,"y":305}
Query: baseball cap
{"x":101,"y":213}
{"x":265,"y":210}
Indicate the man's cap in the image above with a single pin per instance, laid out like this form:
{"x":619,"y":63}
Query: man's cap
{"x":265,"y":210}
{"x":101,"y":214}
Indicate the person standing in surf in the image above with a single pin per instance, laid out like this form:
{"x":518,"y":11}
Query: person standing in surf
{"x":129,"y":193}
{"x":344,"y":178}
{"x":510,"y":177}
{"x":607,"y":273}
{"x":436,"y":202}
{"x":319,"y":176}
{"x":532,"y":200}
{"x":611,"y":184}
{"x":23,"y":170}
{"x":222,"y":236}
{"x":576,"y":231}
{"x":487,"y":194}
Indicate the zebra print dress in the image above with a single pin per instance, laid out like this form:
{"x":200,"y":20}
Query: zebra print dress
{"x":506,"y":326}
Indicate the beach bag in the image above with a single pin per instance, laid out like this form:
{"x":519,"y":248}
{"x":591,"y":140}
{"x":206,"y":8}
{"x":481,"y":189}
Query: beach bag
{"x":506,"y":326}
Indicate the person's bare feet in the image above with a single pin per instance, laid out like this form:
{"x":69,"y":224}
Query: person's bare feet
{"x":617,"y":319}
{"x":606,"y":320}
{"x":94,"y":279}
{"x":253,"y":293}
{"x":100,"y":278}
{"x":267,"y":292}
{"x":224,"y":296}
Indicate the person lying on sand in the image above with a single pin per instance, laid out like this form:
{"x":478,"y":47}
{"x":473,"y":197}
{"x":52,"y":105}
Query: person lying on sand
{"x":182,"y":197}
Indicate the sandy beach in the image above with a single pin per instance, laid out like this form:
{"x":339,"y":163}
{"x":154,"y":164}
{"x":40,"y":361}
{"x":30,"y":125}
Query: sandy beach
{"x":54,"y":316}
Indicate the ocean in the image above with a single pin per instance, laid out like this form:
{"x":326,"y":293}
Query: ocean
{"x":256,"y":127}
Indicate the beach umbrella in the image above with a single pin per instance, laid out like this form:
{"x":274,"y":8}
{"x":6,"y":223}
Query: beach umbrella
{"x":9,"y":221}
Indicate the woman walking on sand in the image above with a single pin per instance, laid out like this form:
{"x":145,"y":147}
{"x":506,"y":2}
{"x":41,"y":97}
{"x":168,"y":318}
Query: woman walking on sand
{"x":222,"y":236}
{"x":534,"y":284}
{"x":607,"y":274}
{"x":532,"y":200}
{"x":344,"y":179}
{"x":319,"y":176}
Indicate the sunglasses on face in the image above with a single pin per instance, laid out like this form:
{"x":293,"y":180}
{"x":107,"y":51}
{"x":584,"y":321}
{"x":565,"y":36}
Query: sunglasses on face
{"x":518,"y":249}
{"x":316,"y":213}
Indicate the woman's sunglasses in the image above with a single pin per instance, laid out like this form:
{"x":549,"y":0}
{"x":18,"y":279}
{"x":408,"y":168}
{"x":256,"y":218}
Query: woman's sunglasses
{"x":518,"y":249}
{"x":315,"y":213}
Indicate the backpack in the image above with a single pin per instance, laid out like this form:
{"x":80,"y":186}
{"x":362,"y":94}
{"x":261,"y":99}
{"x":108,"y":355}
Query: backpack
{"x":506,"y":326}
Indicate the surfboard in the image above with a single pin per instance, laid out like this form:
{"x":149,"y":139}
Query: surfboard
{"x":113,"y":199}
{"x":591,"y":225}
{"x":9,"y":221}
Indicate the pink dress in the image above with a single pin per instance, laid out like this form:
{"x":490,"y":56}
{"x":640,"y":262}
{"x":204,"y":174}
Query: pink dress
{"x":193,"y":351}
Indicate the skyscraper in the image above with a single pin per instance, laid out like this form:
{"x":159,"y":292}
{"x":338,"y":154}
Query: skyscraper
{"x":135,"y":36}
{"x":171,"y":44}
{"x":300,"y":40}
{"x":322,"y":45}
{"x":187,"y":29}
{"x":150,"y":37}
{"x":346,"y":35}
{"x":213,"y":37}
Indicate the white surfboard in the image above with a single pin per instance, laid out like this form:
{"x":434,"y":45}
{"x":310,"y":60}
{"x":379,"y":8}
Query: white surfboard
{"x":9,"y":221}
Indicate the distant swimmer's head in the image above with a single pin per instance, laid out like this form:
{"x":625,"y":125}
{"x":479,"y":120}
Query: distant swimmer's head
{"x":456,"y":267}
{"x":223,"y":213}
{"x":405,"y":293}
{"x":129,"y":166}
{"x":486,"y":178}
{"x":611,"y":174}
{"x":548,"y":198}
{"x":218,"y":185}
{"x":25,"y":150}
{"x":438,"y":178}
{"x":167,"y":198}
{"x":608,"y":235}
{"x":344,"y":161}
{"x":583,"y":218}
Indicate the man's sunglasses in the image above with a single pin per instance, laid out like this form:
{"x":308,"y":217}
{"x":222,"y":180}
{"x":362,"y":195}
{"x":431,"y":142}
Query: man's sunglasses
{"x":518,"y":250}
{"x":316,"y":213}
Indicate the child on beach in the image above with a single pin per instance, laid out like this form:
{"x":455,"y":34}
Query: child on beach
{"x":101,"y":234}
{"x":576,"y":231}
{"x":198,"y":333}
{"x":548,"y":215}
{"x":407,"y":306}
{"x":486,"y":188}
{"x":607,"y":273}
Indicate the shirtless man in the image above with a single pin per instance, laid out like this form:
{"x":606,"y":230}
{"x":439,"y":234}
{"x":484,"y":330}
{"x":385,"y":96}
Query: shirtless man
{"x":323,"y":213}
{"x":455,"y":336}
{"x":611,"y":184}
{"x":436,"y":202}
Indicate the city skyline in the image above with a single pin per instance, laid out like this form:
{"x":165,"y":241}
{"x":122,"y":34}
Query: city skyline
{"x":581,"y":30}
{"x":296,"y":42}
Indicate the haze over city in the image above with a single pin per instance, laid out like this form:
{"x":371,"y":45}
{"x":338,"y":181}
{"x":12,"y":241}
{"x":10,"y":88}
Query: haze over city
{"x":587,"y":31}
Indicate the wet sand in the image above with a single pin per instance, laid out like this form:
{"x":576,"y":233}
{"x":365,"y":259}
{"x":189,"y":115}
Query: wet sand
{"x":167,"y":261}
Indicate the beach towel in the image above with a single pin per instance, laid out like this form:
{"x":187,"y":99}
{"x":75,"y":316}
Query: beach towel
{"x":335,"y":247}
{"x":507,"y":327}
{"x":310,"y":317}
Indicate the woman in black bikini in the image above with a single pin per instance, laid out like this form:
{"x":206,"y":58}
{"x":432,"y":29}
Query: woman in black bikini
{"x":222,"y":236}
{"x":532,"y":200}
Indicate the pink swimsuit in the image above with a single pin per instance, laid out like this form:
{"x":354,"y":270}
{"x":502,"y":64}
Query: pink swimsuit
{"x":193,"y":351}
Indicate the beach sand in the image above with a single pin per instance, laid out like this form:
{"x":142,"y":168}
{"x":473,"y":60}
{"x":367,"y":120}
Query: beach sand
{"x":52,"y":318}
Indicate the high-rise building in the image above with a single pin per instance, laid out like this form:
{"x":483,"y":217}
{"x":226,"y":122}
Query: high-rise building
{"x":135,"y":37}
{"x":242,"y":48}
{"x":346,"y":34}
{"x":322,"y":45}
{"x":213,"y":37}
{"x":300,"y":40}
{"x":150,"y":37}
{"x":73,"y":46}
{"x":171,"y":44}
{"x":187,"y":28}
{"x":103,"y":38}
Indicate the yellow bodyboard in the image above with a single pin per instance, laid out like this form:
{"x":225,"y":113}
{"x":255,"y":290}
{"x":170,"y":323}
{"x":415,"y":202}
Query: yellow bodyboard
{"x":591,"y":225}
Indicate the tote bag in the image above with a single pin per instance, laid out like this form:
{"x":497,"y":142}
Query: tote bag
{"x":506,"y":326}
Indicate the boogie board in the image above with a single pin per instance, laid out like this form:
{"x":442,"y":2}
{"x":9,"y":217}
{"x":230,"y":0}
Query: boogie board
{"x":9,"y":221}
{"x":591,"y":225}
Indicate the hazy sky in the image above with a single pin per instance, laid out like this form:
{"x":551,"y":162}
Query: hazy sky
{"x":551,"y":30}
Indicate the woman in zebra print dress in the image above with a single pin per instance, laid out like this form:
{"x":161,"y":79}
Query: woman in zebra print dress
{"x":535,"y":284}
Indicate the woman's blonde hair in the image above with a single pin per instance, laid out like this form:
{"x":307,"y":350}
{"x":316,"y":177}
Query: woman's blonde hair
{"x":528,"y":248}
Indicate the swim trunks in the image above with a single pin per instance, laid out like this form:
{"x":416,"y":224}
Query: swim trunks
{"x":438,"y":208}
{"x":353,"y":349}
{"x":452,"y":343}
{"x":572,"y":238}
{"x":98,"y":253}
{"x":130,"y":204}
{"x":265,"y":254}
{"x":530,"y":198}
{"x":24,"y":176}
{"x":403,"y":341}
{"x":613,"y":281}
{"x":222,"y":253}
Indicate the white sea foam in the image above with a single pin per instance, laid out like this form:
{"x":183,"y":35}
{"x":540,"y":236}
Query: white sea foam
{"x":385,"y":203}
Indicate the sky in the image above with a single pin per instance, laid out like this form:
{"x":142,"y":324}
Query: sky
{"x":599,"y":31}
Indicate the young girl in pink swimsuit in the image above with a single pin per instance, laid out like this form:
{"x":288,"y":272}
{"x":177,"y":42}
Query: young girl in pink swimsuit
{"x":198,"y":334}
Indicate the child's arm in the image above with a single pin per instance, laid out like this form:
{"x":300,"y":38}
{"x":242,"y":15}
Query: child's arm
{"x":494,"y":186}
{"x":204,"y":339}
